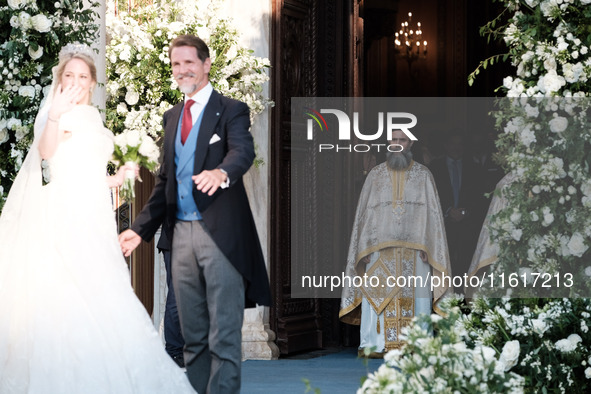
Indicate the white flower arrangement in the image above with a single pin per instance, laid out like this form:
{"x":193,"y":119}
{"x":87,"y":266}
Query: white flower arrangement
{"x":437,"y":359}
{"x":140,"y":86}
{"x":28,"y":51}
{"x":538,"y":338}
{"x":545,"y":226}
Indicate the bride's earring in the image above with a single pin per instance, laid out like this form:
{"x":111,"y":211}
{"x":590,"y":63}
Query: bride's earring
{"x":90,"y":93}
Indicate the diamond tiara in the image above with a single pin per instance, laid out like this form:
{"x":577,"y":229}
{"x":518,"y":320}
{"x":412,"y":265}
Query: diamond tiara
{"x":75,"y":48}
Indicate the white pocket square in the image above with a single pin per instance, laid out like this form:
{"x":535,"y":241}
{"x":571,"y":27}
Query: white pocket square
{"x":215,"y":138}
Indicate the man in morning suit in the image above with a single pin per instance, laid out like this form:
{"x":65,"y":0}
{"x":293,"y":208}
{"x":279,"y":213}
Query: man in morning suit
{"x":217,"y":261}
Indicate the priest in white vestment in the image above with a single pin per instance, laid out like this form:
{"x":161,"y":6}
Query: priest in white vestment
{"x":398,"y":236}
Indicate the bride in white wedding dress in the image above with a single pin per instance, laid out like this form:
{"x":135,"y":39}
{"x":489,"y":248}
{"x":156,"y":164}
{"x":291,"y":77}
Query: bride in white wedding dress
{"x":69,"y":320}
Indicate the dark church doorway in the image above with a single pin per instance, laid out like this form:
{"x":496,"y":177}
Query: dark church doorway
{"x":335,"y":48}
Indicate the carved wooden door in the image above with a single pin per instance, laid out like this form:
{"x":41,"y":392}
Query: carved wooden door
{"x":296,"y":321}
{"x":313,"y":55}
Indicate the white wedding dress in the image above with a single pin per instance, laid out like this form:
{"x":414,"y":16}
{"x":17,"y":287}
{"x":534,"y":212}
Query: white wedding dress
{"x":69,"y":320}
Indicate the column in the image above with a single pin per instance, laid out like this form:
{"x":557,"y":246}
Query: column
{"x":252,"y":20}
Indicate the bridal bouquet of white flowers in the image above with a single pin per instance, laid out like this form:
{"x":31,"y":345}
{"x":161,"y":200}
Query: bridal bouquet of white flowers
{"x":139,"y":149}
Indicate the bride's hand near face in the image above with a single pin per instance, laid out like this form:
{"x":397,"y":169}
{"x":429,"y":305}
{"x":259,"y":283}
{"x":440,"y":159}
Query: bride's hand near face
{"x":64,"y":100}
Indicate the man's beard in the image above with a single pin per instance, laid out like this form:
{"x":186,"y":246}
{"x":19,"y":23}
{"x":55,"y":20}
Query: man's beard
{"x":398,"y":161}
{"x":186,"y":88}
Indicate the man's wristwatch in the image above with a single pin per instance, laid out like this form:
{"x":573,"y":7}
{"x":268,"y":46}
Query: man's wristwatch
{"x":225,"y":183}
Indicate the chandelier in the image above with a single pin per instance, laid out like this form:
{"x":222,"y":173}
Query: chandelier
{"x":409,"y":42}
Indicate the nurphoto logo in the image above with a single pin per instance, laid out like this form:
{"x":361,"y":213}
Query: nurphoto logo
{"x":387,"y":121}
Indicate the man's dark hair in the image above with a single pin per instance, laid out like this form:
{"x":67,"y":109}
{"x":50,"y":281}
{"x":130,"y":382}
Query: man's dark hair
{"x":189,"y":40}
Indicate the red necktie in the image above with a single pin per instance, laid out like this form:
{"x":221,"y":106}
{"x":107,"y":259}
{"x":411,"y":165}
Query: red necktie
{"x":187,"y":122}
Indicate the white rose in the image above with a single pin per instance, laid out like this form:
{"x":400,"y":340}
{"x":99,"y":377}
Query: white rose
{"x":36,"y":54}
{"x":121,"y":108}
{"x":18,"y":156}
{"x":24,"y":20}
{"x":569,"y":344}
{"x":3,"y":136}
{"x":550,"y":64}
{"x":548,"y":219}
{"x":20,"y":133}
{"x":532,"y":112}
{"x":527,"y":136}
{"x":27,"y":91}
{"x":132,"y":97}
{"x":588,"y":271}
{"x":16,"y":4}
{"x":575,"y":338}
{"x":511,"y":34}
{"x":41,"y":23}
{"x":562,"y":46}
{"x":132,"y":137}
{"x":147,"y":147}
{"x":203,"y":33}
{"x":588,"y":370}
{"x":510,"y":355}
{"x":486,"y":353}
{"x":125,"y":54}
{"x":576,"y":245}
{"x":13,"y":123}
{"x":176,"y":27}
{"x":563,"y":345}
{"x":112,"y":88}
{"x":232,"y":52}
{"x":539,"y":326}
{"x":548,"y":216}
{"x":551,"y":82}
{"x":119,"y":139}
{"x":14,"y":22}
{"x":558,"y":124}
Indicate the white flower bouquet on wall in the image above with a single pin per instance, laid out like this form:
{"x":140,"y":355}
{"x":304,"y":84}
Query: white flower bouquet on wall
{"x":140,"y":84}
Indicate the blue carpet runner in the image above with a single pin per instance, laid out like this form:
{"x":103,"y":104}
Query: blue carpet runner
{"x":332,"y":371}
